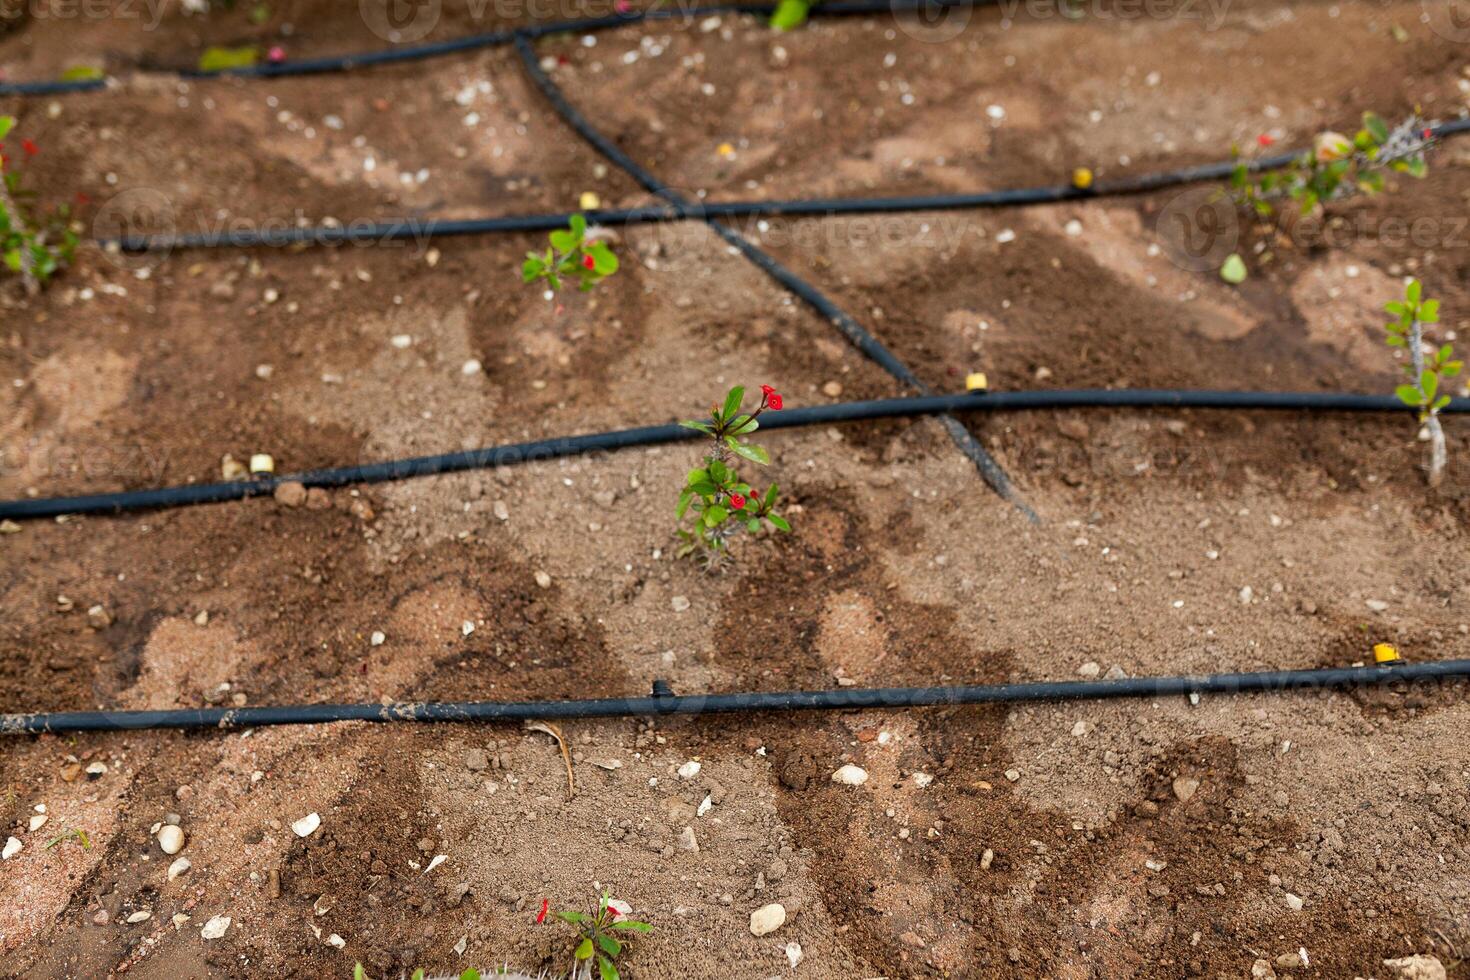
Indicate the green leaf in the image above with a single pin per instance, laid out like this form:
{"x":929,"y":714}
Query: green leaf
{"x":1397,"y":341}
{"x":565,"y":241}
{"x":417,"y":974}
{"x":1233,"y":270}
{"x":732,"y":403}
{"x":579,"y":226}
{"x":584,"y":950}
{"x":684,"y":498}
{"x":1416,"y":167}
{"x":753,"y":525}
{"x":745,"y":425}
{"x":604,"y":262}
{"x":715,"y":516}
{"x":575,"y":918}
{"x":1409,"y":394}
{"x":1375,"y":126}
{"x":753,"y":453}
{"x":718,"y":471}
{"x":224,"y":59}
{"x":1413,"y":291}
{"x":606,"y":970}
{"x":609,"y":945}
{"x":1395,"y":307}
{"x":771,"y":495}
{"x":358,"y":973}
{"x":1429,"y":311}
{"x":634,"y":925}
{"x":470,"y":974}
{"x":704,"y":427}
{"x":1452,"y":368}
{"x":7,"y":123}
{"x":1429,"y":382}
{"x":778,"y":521}
{"x":704,"y":488}
{"x":790,"y":14}
{"x":1443,"y":401}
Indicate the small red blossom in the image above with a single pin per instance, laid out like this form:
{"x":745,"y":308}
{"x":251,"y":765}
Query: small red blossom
{"x":588,"y":262}
{"x":767,"y":390}
{"x":1428,"y":133}
{"x":276,"y":55}
{"x":1265,"y":139}
{"x":31,"y":148}
{"x":737,"y":501}
{"x":773,"y":401}
{"x":545,"y":907}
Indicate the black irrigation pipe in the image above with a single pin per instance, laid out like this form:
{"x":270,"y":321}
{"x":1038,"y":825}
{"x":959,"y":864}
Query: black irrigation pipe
{"x":433,"y":49}
{"x":665,"y":702}
{"x":424,"y":229}
{"x":855,"y":333}
{"x":556,"y":448}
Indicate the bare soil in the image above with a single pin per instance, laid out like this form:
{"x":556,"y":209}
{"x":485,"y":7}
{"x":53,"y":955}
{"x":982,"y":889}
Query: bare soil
{"x":1144,"y":839}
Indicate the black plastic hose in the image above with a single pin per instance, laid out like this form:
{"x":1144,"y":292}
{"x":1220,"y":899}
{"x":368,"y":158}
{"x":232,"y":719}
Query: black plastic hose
{"x":433,"y":49}
{"x":545,"y":449}
{"x":990,"y":471}
{"x":670,"y":704}
{"x":407,"y":228}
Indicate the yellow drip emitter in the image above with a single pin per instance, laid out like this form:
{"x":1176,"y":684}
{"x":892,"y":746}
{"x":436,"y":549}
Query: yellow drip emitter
{"x":976,"y":381}
{"x":1386,"y":655}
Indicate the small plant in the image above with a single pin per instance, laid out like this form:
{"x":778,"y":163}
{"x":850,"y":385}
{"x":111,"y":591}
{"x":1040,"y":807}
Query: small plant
{"x":1425,"y":373}
{"x":70,"y":833}
{"x":790,"y":14}
{"x":720,"y":503}
{"x":1336,"y":167}
{"x":571,"y":255}
{"x":33,"y":245}
{"x":598,"y":935}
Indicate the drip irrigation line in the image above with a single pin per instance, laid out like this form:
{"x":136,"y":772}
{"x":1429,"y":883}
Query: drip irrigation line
{"x":990,"y":471}
{"x":472,"y":42}
{"x":685,"y":210}
{"x":556,"y":448}
{"x":664,"y":702}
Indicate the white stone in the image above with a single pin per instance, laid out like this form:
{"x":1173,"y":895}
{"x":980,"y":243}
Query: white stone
{"x":1293,"y":902}
{"x":137,"y":917}
{"x":307,"y":825}
{"x":37,"y":821}
{"x":849,"y":775}
{"x":170,"y":839}
{"x":689,"y":770}
{"x":179,"y":867}
{"x":793,"y":954}
{"x":378,"y":638}
{"x":12,"y":848}
{"x":767,"y":919}
{"x":215,"y":927}
{"x":922,"y":779}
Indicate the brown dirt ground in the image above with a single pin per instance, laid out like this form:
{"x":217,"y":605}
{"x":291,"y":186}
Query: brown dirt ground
{"x":904,"y":569}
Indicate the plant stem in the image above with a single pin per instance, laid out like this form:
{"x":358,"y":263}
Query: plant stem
{"x":1430,"y":417}
{"x":27,"y":266}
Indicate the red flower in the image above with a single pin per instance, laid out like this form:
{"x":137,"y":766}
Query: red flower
{"x":767,"y":390}
{"x":737,"y":501}
{"x":1265,"y":139}
{"x":545,"y":907}
{"x":31,"y":148}
{"x":773,"y":400}
{"x":1428,"y":133}
{"x":276,"y":55}
{"x":588,"y":262}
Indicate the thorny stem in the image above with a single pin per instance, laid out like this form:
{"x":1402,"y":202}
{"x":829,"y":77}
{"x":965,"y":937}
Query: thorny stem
{"x":1430,"y":416}
{"x":27,"y":266}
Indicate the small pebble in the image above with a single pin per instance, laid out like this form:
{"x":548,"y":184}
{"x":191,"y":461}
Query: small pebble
{"x":180,"y":867}
{"x":170,"y":839}
{"x":849,"y":775}
{"x":307,"y":825}
{"x":215,"y":927}
{"x":767,"y":919}
{"x":11,"y":849}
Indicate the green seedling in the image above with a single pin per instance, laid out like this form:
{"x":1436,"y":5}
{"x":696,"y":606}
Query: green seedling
{"x":1337,"y":167}
{"x":1426,"y":371}
{"x":602,"y":935}
{"x":34,"y":244}
{"x":714,"y":498}
{"x":68,"y":834}
{"x":571,"y":255}
{"x":790,"y":14}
